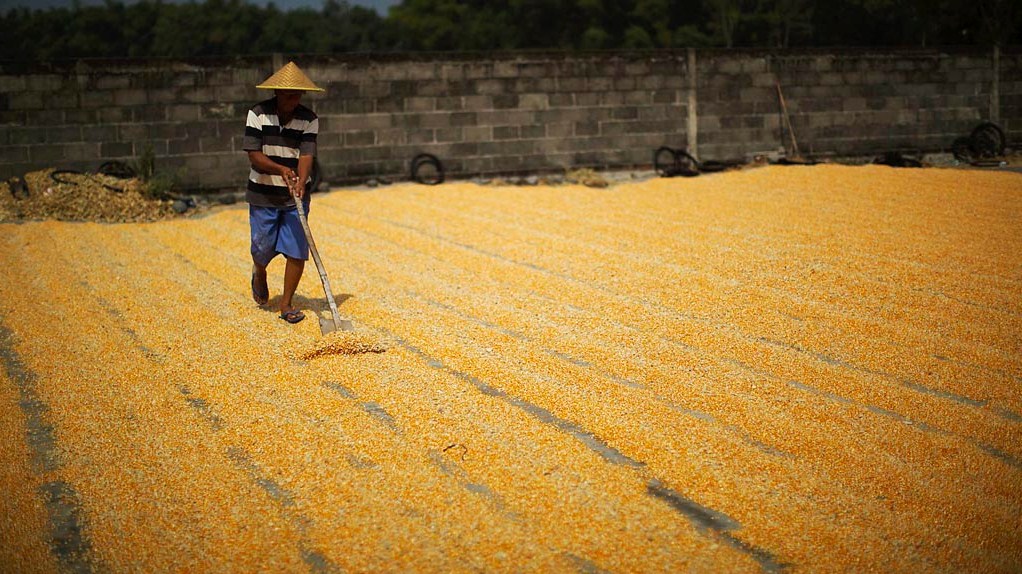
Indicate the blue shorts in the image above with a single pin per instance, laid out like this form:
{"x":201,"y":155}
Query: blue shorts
{"x":277,"y":230}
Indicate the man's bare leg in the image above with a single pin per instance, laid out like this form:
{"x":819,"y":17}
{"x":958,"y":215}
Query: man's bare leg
{"x":292,"y":275}
{"x":260,"y":286}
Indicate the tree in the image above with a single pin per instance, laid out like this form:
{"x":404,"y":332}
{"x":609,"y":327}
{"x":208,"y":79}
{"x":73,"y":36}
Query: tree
{"x":654,"y":18}
{"x":786,"y":18}
{"x":1000,"y":20}
{"x":726,"y":16}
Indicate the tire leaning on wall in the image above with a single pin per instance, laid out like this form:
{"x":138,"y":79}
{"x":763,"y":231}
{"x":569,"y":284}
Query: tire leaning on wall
{"x":987,"y":141}
{"x":427,"y":169}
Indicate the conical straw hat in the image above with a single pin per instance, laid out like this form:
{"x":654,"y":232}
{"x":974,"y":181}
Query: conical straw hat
{"x":290,"y":77}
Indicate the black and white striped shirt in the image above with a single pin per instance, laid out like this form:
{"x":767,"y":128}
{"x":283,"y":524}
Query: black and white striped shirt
{"x":283,"y":145}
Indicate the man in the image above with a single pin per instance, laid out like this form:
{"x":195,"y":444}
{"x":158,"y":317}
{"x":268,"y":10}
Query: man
{"x":280,"y":138}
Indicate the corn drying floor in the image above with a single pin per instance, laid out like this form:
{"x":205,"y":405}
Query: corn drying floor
{"x":779,"y":369}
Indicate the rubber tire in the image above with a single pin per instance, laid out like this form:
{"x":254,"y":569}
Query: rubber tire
{"x":117,"y":169}
{"x":665,"y":168}
{"x":987,"y":140}
{"x":427,"y":159}
{"x":961,"y":148}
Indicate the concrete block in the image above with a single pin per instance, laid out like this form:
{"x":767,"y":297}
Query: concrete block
{"x":452,"y":71}
{"x":377,"y":153}
{"x":420,"y":136}
{"x":665,"y":96}
{"x":45,"y":82}
{"x":612,"y":98}
{"x":432,"y":88}
{"x":625,"y":113}
{"x":197,"y":94}
{"x":533,"y":102}
{"x":478,"y":103}
{"x":637,"y":97}
{"x":536,"y":70}
{"x":478,"y":70}
{"x":877,"y":103}
{"x":376,"y":89}
{"x":27,"y":135}
{"x":172,"y":130}
{"x":183,"y":112}
{"x":112,"y":150}
{"x":708,"y":124}
{"x":505,"y":132}
{"x":588,"y":99}
{"x":197,"y":164}
{"x":600,"y":84}
{"x":757,"y":94}
{"x":61,"y":100}
{"x":647,"y":113}
{"x":561,"y":100}
{"x":25,"y":101}
{"x":649,"y":83}
{"x":13,"y":84}
{"x":361,"y":106}
{"x":345,"y":90}
{"x":162,"y":95}
{"x":477,"y":133}
{"x":240,"y":94}
{"x":587,"y":128}
{"x":332,"y":107}
{"x":445,"y":135}
{"x":215,"y":144}
{"x":44,"y":117}
{"x":360,"y":122}
{"x":420,"y":104}
{"x":505,"y":69}
{"x":625,"y":84}
{"x":407,"y":120}
{"x":401,"y":88}
{"x":460,"y":119}
{"x":570,"y":84}
{"x":52,"y":154}
{"x":82,"y":151}
{"x":435,"y":120}
{"x":633,"y":127}
{"x":360,"y":138}
{"x":64,"y":134}
{"x":186,"y":146}
{"x":490,"y":87}
{"x":204,"y":129}
{"x":450,"y":103}
{"x":219,"y":77}
{"x":534,"y":131}
{"x":100,"y":133}
{"x":189,"y":79}
{"x":504,"y":101}
{"x":14,"y":153}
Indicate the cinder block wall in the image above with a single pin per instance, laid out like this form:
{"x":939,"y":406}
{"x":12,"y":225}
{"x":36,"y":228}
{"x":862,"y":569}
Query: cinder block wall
{"x":513,"y":113}
{"x":506,"y":113}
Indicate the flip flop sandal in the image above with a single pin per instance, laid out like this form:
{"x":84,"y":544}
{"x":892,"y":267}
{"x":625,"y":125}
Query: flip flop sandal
{"x":259,"y":298}
{"x":293,"y":316}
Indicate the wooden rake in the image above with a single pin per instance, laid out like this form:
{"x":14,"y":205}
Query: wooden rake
{"x":335,"y":321}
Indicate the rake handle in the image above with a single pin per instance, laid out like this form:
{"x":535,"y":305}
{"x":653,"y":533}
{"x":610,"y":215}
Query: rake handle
{"x":315,"y":256}
{"x":787,"y":119}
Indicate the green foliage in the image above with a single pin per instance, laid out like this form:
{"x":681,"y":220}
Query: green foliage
{"x":157,"y":28}
{"x":145,"y":165}
{"x":155,"y":184}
